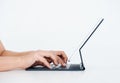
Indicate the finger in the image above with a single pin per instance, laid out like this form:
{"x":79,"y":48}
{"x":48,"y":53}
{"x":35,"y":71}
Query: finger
{"x":45,"y":62}
{"x":54,"y":59}
{"x":62,"y":55}
{"x":61,"y":62}
{"x":49,"y":54}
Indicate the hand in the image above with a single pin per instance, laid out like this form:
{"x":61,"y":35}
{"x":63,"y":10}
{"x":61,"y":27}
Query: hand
{"x":43,"y":58}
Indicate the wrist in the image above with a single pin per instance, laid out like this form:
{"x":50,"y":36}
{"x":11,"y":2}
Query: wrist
{"x":26,"y":60}
{"x":20,"y":63}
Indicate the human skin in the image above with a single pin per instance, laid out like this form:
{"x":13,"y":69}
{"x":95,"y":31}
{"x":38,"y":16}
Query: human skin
{"x":10,"y":60}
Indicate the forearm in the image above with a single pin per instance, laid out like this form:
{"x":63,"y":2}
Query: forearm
{"x":10,"y":60}
{"x":10,"y":63}
{"x":11,"y":53}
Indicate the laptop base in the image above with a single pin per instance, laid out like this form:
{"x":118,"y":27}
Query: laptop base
{"x":69,"y":67}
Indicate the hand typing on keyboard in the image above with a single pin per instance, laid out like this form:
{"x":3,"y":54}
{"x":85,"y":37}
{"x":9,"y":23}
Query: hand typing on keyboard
{"x":45,"y":58}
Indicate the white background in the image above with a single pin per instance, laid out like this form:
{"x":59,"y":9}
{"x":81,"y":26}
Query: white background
{"x":62,"y":25}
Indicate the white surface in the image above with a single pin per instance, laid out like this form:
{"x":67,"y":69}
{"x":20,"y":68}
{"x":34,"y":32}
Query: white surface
{"x":60,"y":25}
{"x":92,"y":74}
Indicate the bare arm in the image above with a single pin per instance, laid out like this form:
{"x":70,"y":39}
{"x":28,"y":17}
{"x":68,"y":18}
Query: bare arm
{"x":9,"y":59}
{"x":6,"y":62}
{"x":10,"y":63}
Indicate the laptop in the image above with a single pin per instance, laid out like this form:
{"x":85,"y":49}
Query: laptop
{"x":69,"y":67}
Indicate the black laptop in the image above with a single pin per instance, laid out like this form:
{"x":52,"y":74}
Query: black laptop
{"x":69,"y":67}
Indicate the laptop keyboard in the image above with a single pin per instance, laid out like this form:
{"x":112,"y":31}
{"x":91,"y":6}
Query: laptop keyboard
{"x":59,"y":66}
{"x":69,"y":67}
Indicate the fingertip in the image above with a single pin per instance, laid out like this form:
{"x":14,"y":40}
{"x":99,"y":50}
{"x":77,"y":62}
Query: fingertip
{"x":64,"y":64}
{"x":56,"y":63}
{"x":65,"y":60}
{"x":49,"y":67}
